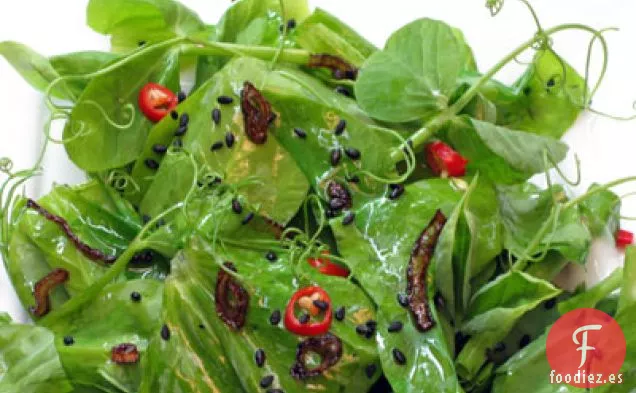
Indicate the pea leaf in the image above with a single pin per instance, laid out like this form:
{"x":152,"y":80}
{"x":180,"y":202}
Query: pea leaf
{"x":415,"y":74}
{"x":33,"y":67}
{"x":130,"y":21}
{"x":30,"y":363}
{"x":80,"y":63}
{"x":601,"y":212}
{"x":594,"y":295}
{"x":92,"y":141}
{"x":504,"y":156}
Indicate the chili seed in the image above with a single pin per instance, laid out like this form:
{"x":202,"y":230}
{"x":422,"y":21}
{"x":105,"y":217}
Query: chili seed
{"x":500,"y":347}
{"x":395,"y":326}
{"x":349,"y":218}
{"x":216,"y":146}
{"x":403,"y":300}
{"x":225,"y":100}
{"x":165,"y":332}
{"x":321,"y":304}
{"x":274,"y":319}
{"x":336,"y":155}
{"x":352,"y":153}
{"x":340,"y":314}
{"x":397,"y":192}
{"x":181,"y":131}
{"x":184,"y":120}
{"x":550,"y":304}
{"x":181,"y":97}
{"x":399,"y":357}
{"x":525,"y":340}
{"x":337,"y":204}
{"x":291,"y":23}
{"x":135,"y":296}
{"x":69,"y":340}
{"x":151,"y":164}
{"x":159,"y":149}
{"x":300,"y":133}
{"x":370,"y":370}
{"x":236,"y":206}
{"x":259,"y":357}
{"x":267,"y":381}
{"x":304,"y":318}
{"x":271,"y":256}
{"x":229,"y":139}
{"x":353,"y":179}
{"x":216,"y":116}
{"x":343,"y":90}
{"x":247,"y":218}
{"x":340,"y":127}
{"x":174,"y":115}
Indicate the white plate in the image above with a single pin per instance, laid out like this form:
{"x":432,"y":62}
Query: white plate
{"x":606,"y":147}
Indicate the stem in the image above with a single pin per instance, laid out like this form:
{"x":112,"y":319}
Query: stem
{"x":203,"y":48}
{"x":433,"y":125}
{"x":588,"y":194}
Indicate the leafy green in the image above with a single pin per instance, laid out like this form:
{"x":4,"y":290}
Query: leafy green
{"x":594,"y":295}
{"x":628,"y":291}
{"x":33,"y":67}
{"x":95,"y":140}
{"x":601,"y":212}
{"x":80,"y":63}
{"x":415,"y":74}
{"x":29,"y":362}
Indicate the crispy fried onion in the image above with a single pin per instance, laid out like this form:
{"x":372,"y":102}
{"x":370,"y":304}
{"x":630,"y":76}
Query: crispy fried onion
{"x":328,"y":347}
{"x":43,"y":289}
{"x":125,"y":354}
{"x":417,"y":287}
{"x":257,"y":113}
{"x":232,"y":300}
{"x":89,"y":252}
{"x":340,"y":69}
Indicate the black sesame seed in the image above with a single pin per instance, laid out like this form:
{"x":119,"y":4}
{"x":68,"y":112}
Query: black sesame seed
{"x":353,"y":179}
{"x":403,"y":300}
{"x":161,"y":222}
{"x":159,"y":149}
{"x":274,"y":319}
{"x":135,"y":296}
{"x":352,"y":153}
{"x":372,"y":324}
{"x":551,"y":82}
{"x":201,"y":326}
{"x":337,"y":204}
{"x":370,"y":370}
{"x":291,"y":23}
{"x":184,"y":120}
{"x":304,"y":318}
{"x":340,"y":314}
{"x":343,"y":90}
{"x":181,"y":97}
{"x":330,"y":213}
{"x":225,"y":100}
{"x":271,"y":256}
{"x":525,"y":340}
{"x":68,"y":341}
{"x":229,"y":139}
{"x":527,"y":90}
{"x":247,"y":218}
{"x":141,"y":43}
{"x":399,"y":357}
{"x":363,"y":330}
{"x":395,"y":327}
{"x":165,"y":332}
{"x":216,"y":146}
{"x":500,"y":347}
{"x":321,"y":304}
{"x":151,"y":164}
{"x":145,"y":219}
{"x":181,"y":131}
{"x":216,"y":116}
{"x":272,"y":118}
{"x":550,"y":304}
{"x":174,"y":115}
{"x":396,"y":192}
{"x":335,"y":156}
{"x":340,"y":127}
{"x":259,"y":357}
{"x":236,"y":206}
{"x":300,"y":133}
{"x":267,"y":381}
{"x":178,"y":143}
{"x":348,"y":218}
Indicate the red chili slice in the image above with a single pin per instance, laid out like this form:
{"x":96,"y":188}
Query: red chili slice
{"x":328,"y":347}
{"x":125,"y":354}
{"x":43,"y":289}
{"x":442,"y":159}
{"x":257,"y":114}
{"x":232,"y":300}
{"x":310,"y":328}
{"x":417,"y":272}
{"x":156,"y":101}
{"x":624,"y":238}
{"x":325,"y":266}
{"x":340,"y":69}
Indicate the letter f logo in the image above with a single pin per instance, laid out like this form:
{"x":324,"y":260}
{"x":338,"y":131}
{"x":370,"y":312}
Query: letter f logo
{"x":584,"y":348}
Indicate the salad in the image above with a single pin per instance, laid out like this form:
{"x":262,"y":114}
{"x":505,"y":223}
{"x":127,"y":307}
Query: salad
{"x":314,"y":214}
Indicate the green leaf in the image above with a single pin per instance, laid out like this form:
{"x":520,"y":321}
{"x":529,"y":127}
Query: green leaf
{"x":80,"y":63}
{"x":33,"y":67}
{"x":129,"y":22}
{"x":593,"y":296}
{"x":415,"y":74}
{"x":29,"y":362}
{"x":628,"y":290}
{"x":601,"y":212}
{"x":92,"y":142}
{"x":504,"y":156}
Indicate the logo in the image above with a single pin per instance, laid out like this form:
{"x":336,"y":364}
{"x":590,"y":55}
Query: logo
{"x":586,"y":348}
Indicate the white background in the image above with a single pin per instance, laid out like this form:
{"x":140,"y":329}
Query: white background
{"x":606,"y":147}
